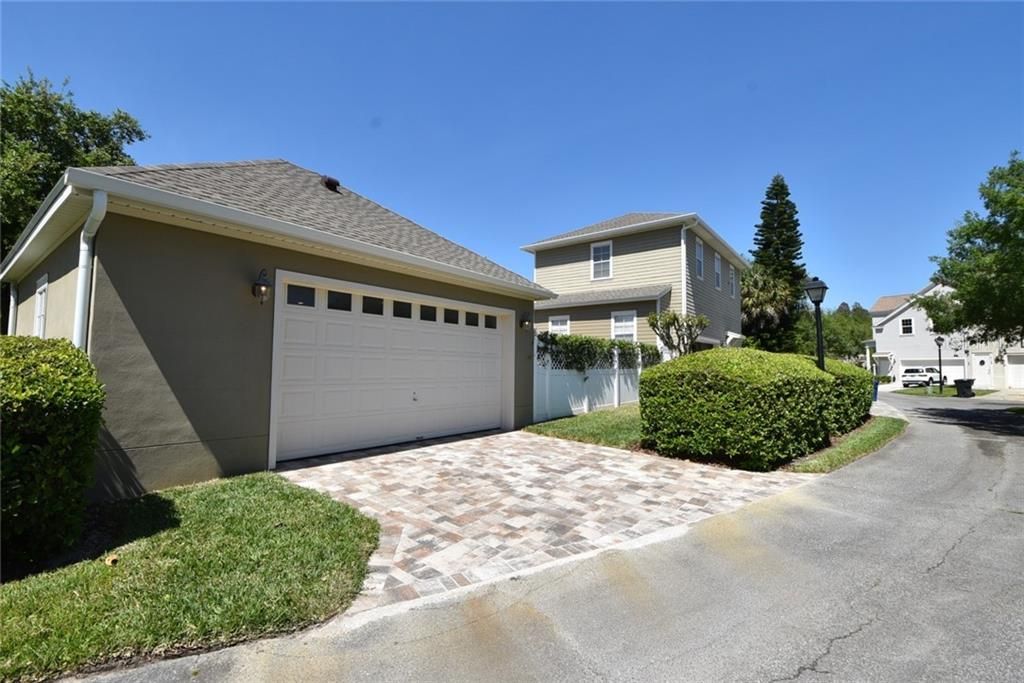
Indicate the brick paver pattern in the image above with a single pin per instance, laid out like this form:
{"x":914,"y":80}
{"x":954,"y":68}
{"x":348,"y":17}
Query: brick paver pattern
{"x":458,"y":512}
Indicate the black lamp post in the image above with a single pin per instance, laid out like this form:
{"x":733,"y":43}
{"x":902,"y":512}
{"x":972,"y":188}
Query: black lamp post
{"x":938,"y":342}
{"x":816,"y":289}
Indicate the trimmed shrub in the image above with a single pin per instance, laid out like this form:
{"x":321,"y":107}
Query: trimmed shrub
{"x":581,"y":353}
{"x":851,"y":400}
{"x":50,"y":406}
{"x":752,"y":408}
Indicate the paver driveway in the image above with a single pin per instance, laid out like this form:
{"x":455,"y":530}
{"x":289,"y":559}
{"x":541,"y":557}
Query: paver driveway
{"x":455,"y":513}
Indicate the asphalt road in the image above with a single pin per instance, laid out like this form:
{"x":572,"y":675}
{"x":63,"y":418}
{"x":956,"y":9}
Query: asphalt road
{"x":907,"y":565}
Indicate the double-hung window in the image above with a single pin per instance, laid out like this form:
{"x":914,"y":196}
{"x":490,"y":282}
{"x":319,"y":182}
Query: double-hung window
{"x":699,"y":253}
{"x":624,"y":325}
{"x":718,"y":270}
{"x":40,"y":322}
{"x":558,"y":324}
{"x":600,"y":260}
{"x":732,"y":282}
{"x":907,"y":326}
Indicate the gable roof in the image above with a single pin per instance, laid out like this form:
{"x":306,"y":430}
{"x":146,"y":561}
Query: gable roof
{"x":907,"y":303}
{"x":626,"y":220}
{"x":889,"y":303}
{"x":285,"y":195}
{"x":629,"y":223}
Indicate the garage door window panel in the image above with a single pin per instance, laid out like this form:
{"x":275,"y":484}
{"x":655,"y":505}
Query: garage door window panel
{"x":451,"y":316}
{"x":401,"y":309}
{"x":339,"y":301}
{"x":373,"y":305}
{"x":299,"y":295}
{"x":472,"y":319}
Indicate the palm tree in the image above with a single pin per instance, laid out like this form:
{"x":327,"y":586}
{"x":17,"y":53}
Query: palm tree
{"x":769,"y":309}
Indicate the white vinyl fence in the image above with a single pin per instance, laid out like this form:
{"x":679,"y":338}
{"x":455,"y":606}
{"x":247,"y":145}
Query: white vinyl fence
{"x":560,"y":392}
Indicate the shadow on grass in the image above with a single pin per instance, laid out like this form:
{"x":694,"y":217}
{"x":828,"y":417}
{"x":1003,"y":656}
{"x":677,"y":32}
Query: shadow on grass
{"x":997,"y":422}
{"x":106,"y":526}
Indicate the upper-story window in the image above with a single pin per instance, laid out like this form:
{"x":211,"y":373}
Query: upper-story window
{"x":700,"y":258}
{"x":732,"y":281}
{"x":600,"y":260}
{"x":624,"y":325}
{"x":558,"y":324}
{"x":718,"y":270}
{"x":907,"y":326}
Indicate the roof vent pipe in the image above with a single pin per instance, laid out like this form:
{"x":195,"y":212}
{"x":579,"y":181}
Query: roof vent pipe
{"x":330,"y":183}
{"x":85,"y":257}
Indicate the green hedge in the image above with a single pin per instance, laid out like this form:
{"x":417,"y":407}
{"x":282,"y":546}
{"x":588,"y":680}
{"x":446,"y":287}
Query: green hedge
{"x":851,"y":400}
{"x":50,"y":404}
{"x":752,"y":408}
{"x":581,"y":353}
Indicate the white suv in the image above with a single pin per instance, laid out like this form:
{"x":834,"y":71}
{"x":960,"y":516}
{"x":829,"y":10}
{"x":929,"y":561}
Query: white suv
{"x":920,"y":376}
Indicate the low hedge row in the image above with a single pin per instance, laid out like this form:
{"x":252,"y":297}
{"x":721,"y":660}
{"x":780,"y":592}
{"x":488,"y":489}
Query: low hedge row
{"x":581,"y":353}
{"x":752,"y":408}
{"x":851,"y":399}
{"x":50,"y":406}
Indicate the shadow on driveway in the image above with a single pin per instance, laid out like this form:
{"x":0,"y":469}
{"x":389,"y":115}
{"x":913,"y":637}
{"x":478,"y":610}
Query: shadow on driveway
{"x":994,"y":421}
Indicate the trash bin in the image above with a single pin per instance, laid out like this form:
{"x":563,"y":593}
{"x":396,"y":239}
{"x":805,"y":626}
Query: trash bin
{"x":874,"y":396}
{"x":964,"y":388}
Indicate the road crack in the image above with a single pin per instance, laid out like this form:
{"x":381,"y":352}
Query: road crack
{"x":950,"y":549}
{"x":816,"y":662}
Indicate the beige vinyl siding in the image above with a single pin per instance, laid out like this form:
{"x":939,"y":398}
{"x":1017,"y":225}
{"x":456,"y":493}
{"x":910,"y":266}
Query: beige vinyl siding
{"x":61,"y":270}
{"x":722,"y":309}
{"x":596,"y":321}
{"x":647,"y":258}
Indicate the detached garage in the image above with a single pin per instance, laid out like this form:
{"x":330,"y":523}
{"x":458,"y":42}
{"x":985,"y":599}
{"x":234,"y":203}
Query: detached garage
{"x":242,"y":314}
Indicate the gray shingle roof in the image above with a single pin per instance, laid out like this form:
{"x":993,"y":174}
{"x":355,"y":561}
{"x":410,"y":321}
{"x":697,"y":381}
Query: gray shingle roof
{"x":622,"y":221}
{"x":281,"y":190}
{"x":595,"y":297}
{"x":889,"y":303}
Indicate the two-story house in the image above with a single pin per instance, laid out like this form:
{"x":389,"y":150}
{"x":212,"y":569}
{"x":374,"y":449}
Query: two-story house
{"x":610,"y":275}
{"x":902,"y":337}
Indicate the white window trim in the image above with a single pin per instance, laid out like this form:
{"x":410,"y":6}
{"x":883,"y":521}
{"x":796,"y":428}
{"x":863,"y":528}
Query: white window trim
{"x":39,"y":324}
{"x":907,"y":334}
{"x":732,"y":281}
{"x":560,"y":318}
{"x":698,"y":259}
{"x":594,"y":245}
{"x":718,"y":271}
{"x":615,"y":313}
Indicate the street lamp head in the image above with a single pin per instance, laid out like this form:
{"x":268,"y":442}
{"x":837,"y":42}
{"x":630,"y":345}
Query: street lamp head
{"x":939,"y":341}
{"x":815,"y":289}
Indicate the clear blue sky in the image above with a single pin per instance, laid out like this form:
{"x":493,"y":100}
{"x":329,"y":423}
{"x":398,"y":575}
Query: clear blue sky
{"x":497,"y":125}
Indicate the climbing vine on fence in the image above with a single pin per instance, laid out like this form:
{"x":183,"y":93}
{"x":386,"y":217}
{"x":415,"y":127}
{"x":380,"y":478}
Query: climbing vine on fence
{"x":580,"y":353}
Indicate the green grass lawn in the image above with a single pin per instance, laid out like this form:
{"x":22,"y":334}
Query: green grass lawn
{"x":947,"y":391}
{"x":617,"y":427}
{"x":197,"y":567}
{"x":862,"y":441}
{"x":620,"y":428}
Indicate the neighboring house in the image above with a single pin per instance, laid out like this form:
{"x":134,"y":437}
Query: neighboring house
{"x":375,"y":329}
{"x":611,"y":275}
{"x":902,"y":337}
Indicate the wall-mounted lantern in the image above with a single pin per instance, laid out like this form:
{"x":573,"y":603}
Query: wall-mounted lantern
{"x":526,"y":321}
{"x":261,"y":288}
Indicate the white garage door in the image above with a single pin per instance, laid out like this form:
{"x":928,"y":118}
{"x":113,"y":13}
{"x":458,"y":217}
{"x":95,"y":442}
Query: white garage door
{"x":1015,"y":371}
{"x":357,"y":367}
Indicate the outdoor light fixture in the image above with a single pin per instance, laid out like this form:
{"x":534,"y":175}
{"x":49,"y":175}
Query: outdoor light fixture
{"x":939,"y":341}
{"x":816,"y":289}
{"x":261,"y":288}
{"x":526,"y":321}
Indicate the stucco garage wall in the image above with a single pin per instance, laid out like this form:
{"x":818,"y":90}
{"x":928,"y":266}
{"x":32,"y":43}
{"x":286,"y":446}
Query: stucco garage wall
{"x":61,"y":270}
{"x":186,"y":351}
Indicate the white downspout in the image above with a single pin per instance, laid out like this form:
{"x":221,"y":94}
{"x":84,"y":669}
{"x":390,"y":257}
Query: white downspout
{"x":12,"y":312}
{"x":85,"y":258}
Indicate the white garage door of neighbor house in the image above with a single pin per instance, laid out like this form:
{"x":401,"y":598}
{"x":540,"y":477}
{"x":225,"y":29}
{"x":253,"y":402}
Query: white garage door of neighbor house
{"x":1015,"y":371}
{"x":356,"y":367}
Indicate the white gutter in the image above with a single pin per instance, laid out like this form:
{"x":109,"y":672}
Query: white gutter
{"x":85,"y":258}
{"x":12,"y":313}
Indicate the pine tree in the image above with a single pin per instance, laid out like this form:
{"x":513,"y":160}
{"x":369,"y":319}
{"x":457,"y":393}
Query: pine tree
{"x":778,"y":244}
{"x":775,"y":283}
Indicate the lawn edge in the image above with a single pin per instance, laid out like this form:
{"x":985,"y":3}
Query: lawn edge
{"x":876,"y":422}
